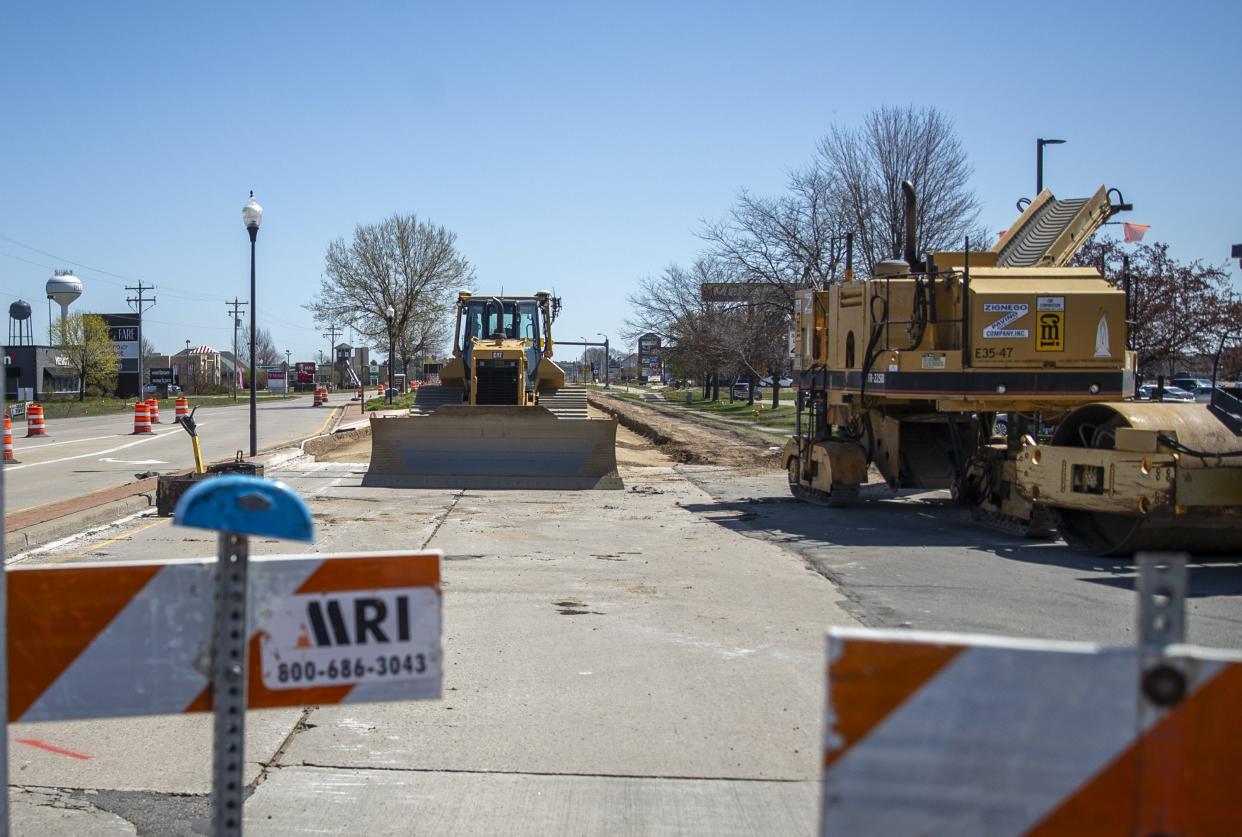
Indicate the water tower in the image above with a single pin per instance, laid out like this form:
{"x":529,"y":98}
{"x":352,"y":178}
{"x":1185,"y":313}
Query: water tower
{"x":64,"y":288}
{"x":21,"y":329}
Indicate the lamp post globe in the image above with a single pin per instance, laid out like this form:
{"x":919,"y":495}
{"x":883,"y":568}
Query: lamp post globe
{"x":252,"y":216}
{"x":392,"y":350}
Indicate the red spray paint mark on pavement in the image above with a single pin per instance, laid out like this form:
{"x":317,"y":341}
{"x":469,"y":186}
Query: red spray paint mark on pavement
{"x":51,"y":748}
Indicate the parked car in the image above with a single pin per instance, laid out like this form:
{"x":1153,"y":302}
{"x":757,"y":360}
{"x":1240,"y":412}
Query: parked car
{"x":1200,"y":388}
{"x":741,"y":390}
{"x":151,"y":389}
{"x":1000,"y":426}
{"x":1171,"y":393}
{"x":767,"y":382}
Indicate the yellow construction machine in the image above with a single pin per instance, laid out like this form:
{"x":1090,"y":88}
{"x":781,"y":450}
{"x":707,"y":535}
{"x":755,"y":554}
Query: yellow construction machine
{"x":501,"y":416}
{"x":910,"y":368}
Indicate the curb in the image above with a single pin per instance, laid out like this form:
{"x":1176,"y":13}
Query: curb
{"x":38,"y":534}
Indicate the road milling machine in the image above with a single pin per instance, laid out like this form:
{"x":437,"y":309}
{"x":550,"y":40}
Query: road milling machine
{"x":502,"y":416}
{"x":908,"y":369}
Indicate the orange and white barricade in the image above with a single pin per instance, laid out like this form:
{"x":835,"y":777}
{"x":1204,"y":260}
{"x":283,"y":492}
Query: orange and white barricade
{"x":933,"y":733}
{"x":142,"y":418}
{"x":115,"y":640}
{"x":34,"y":421}
{"x":8,"y":439}
{"x":153,"y":407}
{"x":182,"y":408}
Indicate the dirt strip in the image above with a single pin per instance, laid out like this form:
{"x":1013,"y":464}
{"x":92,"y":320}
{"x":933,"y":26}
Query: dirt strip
{"x":689,"y":441}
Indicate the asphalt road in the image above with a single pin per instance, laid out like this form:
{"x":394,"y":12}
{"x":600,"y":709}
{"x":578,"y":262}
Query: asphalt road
{"x":918,"y":561}
{"x":81,"y":455}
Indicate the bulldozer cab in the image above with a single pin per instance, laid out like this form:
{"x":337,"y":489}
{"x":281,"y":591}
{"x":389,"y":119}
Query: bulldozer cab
{"x":501,"y":346}
{"x":502,"y":319}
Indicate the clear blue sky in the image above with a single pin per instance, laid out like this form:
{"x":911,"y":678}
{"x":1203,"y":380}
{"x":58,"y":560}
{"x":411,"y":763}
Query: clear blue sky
{"x":574,"y":146}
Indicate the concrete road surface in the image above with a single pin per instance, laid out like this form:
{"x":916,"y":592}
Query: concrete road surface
{"x":614,"y":664}
{"x":81,"y":455}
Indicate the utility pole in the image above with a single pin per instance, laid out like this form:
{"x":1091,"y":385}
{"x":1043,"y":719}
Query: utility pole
{"x":236,"y":307}
{"x":331,"y":334}
{"x":140,"y":303}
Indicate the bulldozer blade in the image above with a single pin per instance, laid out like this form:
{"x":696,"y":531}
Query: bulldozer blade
{"x":462,"y":446}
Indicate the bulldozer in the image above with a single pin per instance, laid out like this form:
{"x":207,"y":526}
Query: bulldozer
{"x":908,"y":369}
{"x":502,"y":415}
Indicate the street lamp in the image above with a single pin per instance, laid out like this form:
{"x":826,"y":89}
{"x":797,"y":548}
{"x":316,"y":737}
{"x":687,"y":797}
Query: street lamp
{"x":287,"y":367}
{"x":1039,"y":161}
{"x":607,"y":359}
{"x":252,"y":215}
{"x":392,"y":312}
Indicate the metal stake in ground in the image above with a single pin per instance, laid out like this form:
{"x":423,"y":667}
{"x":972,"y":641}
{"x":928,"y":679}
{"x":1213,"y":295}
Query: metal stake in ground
{"x":236,"y":507}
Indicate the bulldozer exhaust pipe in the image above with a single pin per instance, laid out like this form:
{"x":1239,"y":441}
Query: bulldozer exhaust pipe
{"x":912,"y":245}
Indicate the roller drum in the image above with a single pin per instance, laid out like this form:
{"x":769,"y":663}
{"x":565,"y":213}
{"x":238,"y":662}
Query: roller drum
{"x":1203,"y":530}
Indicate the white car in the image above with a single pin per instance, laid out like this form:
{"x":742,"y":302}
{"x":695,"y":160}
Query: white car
{"x":1171,"y":393}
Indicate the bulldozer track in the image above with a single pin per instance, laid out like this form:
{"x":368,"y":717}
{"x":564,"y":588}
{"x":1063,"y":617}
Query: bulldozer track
{"x":430,"y":397}
{"x":566,"y":402}
{"x":1041,"y":525}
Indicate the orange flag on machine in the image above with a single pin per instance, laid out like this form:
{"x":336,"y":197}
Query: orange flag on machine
{"x":1134,"y":232}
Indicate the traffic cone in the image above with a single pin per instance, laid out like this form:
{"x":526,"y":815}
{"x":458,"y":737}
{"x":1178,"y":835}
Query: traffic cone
{"x":34,"y":421}
{"x":8,"y":440}
{"x":142,"y":418}
{"x":153,"y":407}
{"x":182,"y":407}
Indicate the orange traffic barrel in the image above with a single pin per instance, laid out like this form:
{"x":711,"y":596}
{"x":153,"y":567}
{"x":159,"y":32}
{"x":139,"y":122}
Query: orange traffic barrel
{"x":182,"y":407}
{"x":142,"y":418}
{"x":153,"y":406}
{"x":34,"y":421}
{"x":8,"y":439}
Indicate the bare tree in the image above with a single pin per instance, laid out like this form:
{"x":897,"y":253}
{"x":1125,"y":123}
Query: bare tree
{"x":412,"y":265}
{"x":265,"y":353}
{"x":423,"y":337}
{"x":864,"y":168}
{"x":793,"y":241}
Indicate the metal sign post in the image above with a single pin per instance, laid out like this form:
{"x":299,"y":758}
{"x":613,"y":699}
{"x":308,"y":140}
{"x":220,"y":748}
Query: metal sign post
{"x":237,"y":507}
{"x":283,"y":630}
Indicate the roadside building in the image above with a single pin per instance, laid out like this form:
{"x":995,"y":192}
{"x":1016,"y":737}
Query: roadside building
{"x":629,"y":367}
{"x":233,"y":370}
{"x":38,"y":373}
{"x":198,"y":369}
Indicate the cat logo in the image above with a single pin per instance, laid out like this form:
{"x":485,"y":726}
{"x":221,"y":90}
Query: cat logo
{"x":1050,"y":334}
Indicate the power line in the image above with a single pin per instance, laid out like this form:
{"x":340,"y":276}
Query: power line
{"x":236,"y":305}
{"x":140,"y":304}
{"x":331,"y":334}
